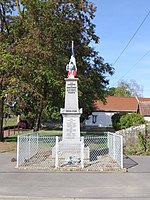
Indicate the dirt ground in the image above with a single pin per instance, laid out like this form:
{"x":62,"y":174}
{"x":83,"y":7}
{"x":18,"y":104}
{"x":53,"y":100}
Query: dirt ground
{"x":7,"y":147}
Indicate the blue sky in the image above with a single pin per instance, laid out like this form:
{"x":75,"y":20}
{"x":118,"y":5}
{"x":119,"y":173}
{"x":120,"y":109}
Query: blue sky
{"x":116,"y":22}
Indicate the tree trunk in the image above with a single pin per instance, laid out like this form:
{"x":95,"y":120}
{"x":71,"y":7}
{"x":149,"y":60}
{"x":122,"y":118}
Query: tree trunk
{"x":21,"y":13}
{"x":1,"y":114}
{"x":38,"y":117}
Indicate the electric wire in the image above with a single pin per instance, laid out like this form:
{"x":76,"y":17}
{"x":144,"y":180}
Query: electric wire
{"x":131,"y":38}
{"x":133,"y":66}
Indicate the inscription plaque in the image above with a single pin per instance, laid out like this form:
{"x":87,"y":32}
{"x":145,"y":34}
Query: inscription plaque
{"x":71,"y":128}
{"x":71,"y":89}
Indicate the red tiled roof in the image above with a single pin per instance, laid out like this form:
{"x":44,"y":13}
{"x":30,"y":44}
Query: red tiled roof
{"x":144,"y":107}
{"x":128,"y":104}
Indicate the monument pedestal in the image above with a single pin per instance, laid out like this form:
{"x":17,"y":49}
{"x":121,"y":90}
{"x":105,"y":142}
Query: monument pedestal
{"x":71,"y":113}
{"x":71,"y":145}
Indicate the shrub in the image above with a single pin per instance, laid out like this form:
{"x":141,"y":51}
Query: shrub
{"x":116,"y":120}
{"x":142,"y":141}
{"x":129,"y":120}
{"x":123,"y":120}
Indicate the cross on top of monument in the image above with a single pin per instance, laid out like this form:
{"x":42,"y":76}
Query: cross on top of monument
{"x":71,"y":67}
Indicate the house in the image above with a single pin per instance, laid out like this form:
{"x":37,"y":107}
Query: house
{"x":101,"y":116}
{"x":144,"y":109}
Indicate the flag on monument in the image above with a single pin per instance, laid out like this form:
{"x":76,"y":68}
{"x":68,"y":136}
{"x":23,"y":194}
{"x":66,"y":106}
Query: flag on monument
{"x":73,"y":60}
{"x":71,"y":67}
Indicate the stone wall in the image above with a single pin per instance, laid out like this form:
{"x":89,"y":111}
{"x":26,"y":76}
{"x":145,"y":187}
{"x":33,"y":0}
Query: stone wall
{"x":130,"y":135}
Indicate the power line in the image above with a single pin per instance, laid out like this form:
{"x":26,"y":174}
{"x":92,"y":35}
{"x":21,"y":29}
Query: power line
{"x":134,"y":65}
{"x":131,"y":38}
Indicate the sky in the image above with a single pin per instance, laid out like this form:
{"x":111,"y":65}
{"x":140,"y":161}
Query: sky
{"x":116,"y":23}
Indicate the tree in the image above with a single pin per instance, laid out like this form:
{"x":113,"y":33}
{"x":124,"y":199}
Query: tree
{"x":125,"y":88}
{"x":135,"y":88}
{"x":6,"y":8}
{"x":39,"y":48}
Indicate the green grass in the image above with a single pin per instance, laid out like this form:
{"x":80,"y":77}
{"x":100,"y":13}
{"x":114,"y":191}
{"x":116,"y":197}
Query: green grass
{"x":99,"y":146}
{"x":41,"y":133}
{"x":11,"y":139}
{"x":56,"y":133}
{"x":92,"y":133}
{"x":59,"y":133}
{"x":50,"y":133}
{"x":7,"y":122}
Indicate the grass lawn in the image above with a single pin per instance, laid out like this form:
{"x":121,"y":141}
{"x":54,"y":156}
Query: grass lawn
{"x":50,"y":133}
{"x":10,"y":142}
{"x":7,"y":122}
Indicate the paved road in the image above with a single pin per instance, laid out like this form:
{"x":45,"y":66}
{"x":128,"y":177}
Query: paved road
{"x":18,"y":184}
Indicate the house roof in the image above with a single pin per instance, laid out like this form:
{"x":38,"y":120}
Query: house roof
{"x":119,"y":104}
{"x":144,"y":108}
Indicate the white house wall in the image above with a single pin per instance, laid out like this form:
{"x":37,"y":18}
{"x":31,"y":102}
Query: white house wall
{"x":103,"y":119}
{"x":147,"y":119}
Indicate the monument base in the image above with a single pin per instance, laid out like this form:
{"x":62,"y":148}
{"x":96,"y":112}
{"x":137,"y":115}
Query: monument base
{"x":72,"y":149}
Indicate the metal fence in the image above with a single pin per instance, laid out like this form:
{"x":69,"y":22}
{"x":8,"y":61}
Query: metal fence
{"x":90,"y":153}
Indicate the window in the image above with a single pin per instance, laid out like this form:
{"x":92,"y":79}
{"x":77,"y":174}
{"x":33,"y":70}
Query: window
{"x":94,"y":119}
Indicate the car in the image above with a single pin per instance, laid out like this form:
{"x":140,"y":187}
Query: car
{"x":24,"y":124}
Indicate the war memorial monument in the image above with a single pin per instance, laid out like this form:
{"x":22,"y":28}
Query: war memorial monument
{"x":70,"y":151}
{"x":71,"y":148}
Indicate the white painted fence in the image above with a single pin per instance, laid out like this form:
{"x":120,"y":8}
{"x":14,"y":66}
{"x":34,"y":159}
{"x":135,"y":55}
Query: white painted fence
{"x":91,"y":153}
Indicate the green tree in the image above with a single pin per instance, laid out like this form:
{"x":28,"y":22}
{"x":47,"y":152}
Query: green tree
{"x":39,"y":48}
{"x":6,"y":9}
{"x":125,"y":88}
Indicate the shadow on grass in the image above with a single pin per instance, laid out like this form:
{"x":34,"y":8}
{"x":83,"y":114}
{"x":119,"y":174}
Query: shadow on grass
{"x":95,"y":153}
{"x":10,"y":139}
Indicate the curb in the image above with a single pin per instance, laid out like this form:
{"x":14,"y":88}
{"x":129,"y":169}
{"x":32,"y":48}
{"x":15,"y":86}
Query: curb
{"x":43,"y":198}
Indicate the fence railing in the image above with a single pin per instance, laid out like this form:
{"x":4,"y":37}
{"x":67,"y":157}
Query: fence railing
{"x":27,"y":146}
{"x":115,"y":146}
{"x":103,"y":152}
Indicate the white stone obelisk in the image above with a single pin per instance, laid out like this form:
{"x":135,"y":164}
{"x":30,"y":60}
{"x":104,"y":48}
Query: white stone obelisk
{"x":71,"y":112}
{"x":70,"y":146}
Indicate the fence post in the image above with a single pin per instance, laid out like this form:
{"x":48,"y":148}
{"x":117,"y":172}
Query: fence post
{"x":82,"y":152}
{"x":37,"y":142}
{"x":18,"y":143}
{"x":56,"y":153}
{"x":114,"y":146}
{"x":121,"y":138}
{"x":108,"y":142}
{"x":29,"y":154}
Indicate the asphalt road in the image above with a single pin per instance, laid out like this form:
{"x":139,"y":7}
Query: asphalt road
{"x":19,"y":184}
